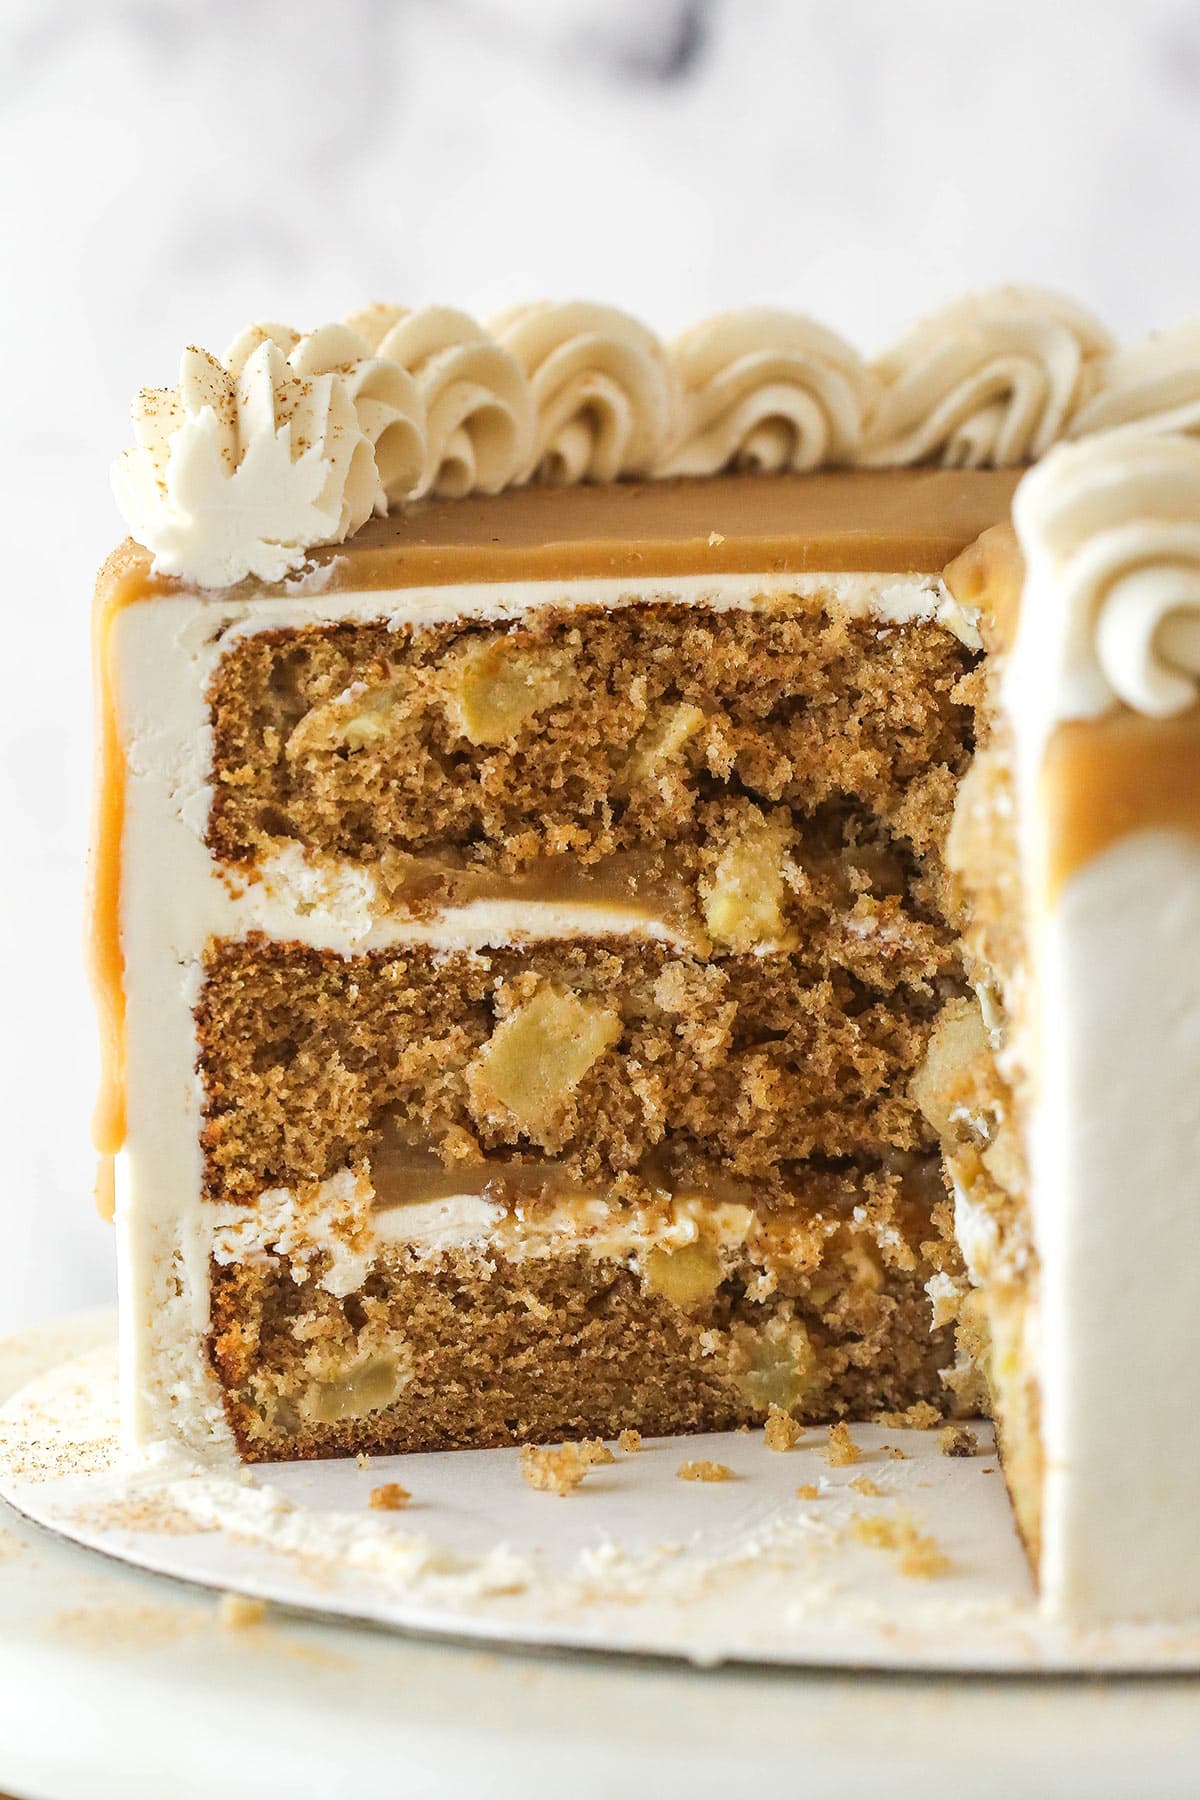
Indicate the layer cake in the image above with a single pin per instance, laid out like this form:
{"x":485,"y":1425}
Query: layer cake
{"x":605,"y":920}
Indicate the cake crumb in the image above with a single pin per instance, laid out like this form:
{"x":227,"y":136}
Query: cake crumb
{"x":715,"y":538}
{"x":808,"y":1490}
{"x":917,"y":1555}
{"x":876,"y":1531}
{"x":363,"y":1460}
{"x":237,"y":1612}
{"x":743,"y":1430}
{"x":862,"y":1484}
{"x":842,"y":1448}
{"x":920,"y":1416}
{"x":557,"y":1468}
{"x":703,"y":1471}
{"x":630,"y":1441}
{"x":957,"y":1440}
{"x":896,"y":1453}
{"x":921,"y":1559}
{"x":390,"y":1497}
{"x":781,"y":1432}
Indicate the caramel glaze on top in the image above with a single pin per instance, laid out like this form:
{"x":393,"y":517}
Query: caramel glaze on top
{"x":898,"y":521}
{"x":907,"y":521}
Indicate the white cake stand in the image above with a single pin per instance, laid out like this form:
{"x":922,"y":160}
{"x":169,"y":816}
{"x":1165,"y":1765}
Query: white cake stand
{"x":116,"y":1682}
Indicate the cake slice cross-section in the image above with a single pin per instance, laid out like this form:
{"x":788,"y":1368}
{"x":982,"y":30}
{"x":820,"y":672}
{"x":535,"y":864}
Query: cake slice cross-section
{"x":525,"y":976}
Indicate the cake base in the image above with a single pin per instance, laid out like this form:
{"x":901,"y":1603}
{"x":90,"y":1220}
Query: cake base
{"x":633,"y":1560}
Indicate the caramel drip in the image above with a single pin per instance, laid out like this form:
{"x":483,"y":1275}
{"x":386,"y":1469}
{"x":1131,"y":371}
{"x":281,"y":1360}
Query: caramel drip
{"x":1105,"y":778}
{"x":122,"y":581}
{"x":989,"y":575}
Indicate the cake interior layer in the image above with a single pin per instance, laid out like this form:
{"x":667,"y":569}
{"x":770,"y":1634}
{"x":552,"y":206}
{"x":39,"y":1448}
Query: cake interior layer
{"x":645,"y":752}
{"x":627,"y":1064}
{"x":466,"y":1348}
{"x":768,"y":787}
{"x":976,"y":1088}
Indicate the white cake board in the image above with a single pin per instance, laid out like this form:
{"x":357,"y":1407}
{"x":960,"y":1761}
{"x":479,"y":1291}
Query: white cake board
{"x":116,"y":1684}
{"x":634,"y":1560}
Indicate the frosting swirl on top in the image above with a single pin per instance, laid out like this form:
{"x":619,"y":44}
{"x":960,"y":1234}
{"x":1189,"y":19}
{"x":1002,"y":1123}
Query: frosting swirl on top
{"x":237,"y":474}
{"x":601,"y":389}
{"x":391,"y":414}
{"x":1110,"y":531}
{"x":1154,"y":385}
{"x":989,"y":381}
{"x":766,"y":390}
{"x":294,"y":441}
{"x":478,"y":415}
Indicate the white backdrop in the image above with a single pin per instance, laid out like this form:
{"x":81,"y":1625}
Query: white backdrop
{"x":172,"y":168}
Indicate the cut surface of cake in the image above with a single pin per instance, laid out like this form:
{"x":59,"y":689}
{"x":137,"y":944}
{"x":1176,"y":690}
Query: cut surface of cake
{"x":600,"y":917}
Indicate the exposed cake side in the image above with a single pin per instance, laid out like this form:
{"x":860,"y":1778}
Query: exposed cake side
{"x":858,"y":1326}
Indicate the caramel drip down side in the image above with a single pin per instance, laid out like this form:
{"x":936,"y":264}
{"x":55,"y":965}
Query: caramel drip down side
{"x":121,"y":582}
{"x":1105,"y":778}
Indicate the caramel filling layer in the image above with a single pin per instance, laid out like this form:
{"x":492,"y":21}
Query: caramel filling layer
{"x":632,"y":881}
{"x":1104,"y":778}
{"x":404,"y":1174}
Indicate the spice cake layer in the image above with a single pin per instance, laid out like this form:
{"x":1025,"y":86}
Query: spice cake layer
{"x":415,"y":1159}
{"x":603,"y":1054}
{"x":642,"y":753}
{"x":454,"y":1347}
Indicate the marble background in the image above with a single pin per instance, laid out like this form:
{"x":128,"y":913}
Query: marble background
{"x":172,"y":168}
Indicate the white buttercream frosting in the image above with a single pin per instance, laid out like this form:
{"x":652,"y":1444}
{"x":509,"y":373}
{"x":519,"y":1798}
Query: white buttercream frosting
{"x":1110,"y":532}
{"x":391,"y":413}
{"x":338,"y":1222}
{"x":989,"y":381}
{"x":766,"y":390}
{"x":601,"y":389}
{"x":1154,"y":384}
{"x":241,"y":471}
{"x":478,"y":413}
